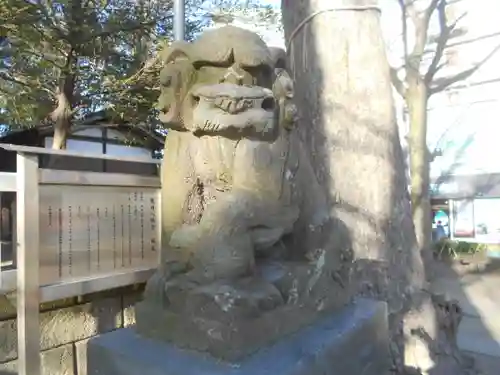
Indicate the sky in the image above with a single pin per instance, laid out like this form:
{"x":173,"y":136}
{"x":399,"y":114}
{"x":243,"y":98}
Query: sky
{"x":465,"y":121}
{"x":274,"y":3}
{"x":271,"y":34}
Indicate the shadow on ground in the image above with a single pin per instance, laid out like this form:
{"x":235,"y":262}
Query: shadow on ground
{"x":474,"y":282}
{"x":491,"y":266}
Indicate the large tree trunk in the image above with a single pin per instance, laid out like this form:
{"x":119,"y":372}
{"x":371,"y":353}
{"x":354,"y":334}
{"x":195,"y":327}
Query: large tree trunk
{"x":343,"y":91}
{"x":416,"y":100}
{"x":62,"y":114}
{"x":344,"y":95}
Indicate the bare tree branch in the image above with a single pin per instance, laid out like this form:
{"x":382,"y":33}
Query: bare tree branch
{"x":404,"y":25}
{"x":438,"y":68}
{"x":442,"y":84}
{"x":398,"y":83}
{"x":445,"y":31}
{"x":421,"y":23}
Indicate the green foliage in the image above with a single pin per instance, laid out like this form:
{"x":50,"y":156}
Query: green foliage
{"x":77,"y":41}
{"x":106,"y":49}
{"x":454,"y":248}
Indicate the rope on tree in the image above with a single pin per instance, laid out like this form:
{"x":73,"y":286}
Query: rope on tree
{"x":355,"y":8}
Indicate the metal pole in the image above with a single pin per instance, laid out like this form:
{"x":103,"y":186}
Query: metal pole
{"x":179,"y":19}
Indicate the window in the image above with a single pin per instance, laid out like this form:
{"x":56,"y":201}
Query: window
{"x":463,"y":218}
{"x":87,"y":147}
{"x":127,"y":151}
{"x":7,"y":228}
{"x":487,"y":219}
{"x":477,"y":219}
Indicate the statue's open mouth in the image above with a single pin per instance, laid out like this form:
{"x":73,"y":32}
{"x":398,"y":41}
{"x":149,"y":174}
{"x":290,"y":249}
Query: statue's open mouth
{"x":228,"y":107}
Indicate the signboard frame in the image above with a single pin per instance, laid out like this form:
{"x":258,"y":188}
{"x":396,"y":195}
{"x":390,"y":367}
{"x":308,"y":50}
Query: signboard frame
{"x":33,"y":186}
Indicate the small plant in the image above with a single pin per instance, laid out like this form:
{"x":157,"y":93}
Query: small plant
{"x":454,"y":247}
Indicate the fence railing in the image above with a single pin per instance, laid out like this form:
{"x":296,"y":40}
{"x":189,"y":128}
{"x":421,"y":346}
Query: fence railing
{"x":77,"y":232}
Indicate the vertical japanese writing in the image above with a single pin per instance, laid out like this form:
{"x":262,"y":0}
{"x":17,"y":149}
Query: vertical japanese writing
{"x":136,"y":207}
{"x":50,"y":216}
{"x":129,"y":216}
{"x":114,"y":237}
{"x":89,"y":248}
{"x":153,"y":224}
{"x":123,"y":234}
{"x":98,"y":238}
{"x":70,"y":240}
{"x":107,"y":232}
{"x":141,"y":199}
{"x":59,"y":243}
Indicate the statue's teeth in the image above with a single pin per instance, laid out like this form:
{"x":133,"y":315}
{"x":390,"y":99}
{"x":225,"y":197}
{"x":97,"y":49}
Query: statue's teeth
{"x":219,"y":101}
{"x":241,"y":105}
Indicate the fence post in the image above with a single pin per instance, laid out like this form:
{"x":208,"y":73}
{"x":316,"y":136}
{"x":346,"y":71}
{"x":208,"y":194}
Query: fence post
{"x":2,"y":236}
{"x":28,"y":290}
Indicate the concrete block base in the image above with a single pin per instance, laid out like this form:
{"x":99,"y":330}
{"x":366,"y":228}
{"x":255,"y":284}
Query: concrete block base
{"x":353,"y":341}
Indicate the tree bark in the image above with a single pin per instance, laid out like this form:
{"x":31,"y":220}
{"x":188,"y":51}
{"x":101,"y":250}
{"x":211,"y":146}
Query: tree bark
{"x":416,"y":100}
{"x":62,"y":114}
{"x":345,"y":101}
{"x":343,"y":91}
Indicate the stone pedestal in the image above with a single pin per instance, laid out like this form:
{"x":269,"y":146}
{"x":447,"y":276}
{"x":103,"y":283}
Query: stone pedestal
{"x":353,"y":341}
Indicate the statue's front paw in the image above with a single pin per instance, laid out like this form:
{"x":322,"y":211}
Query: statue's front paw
{"x":154,"y":291}
{"x":180,"y":283}
{"x":155,"y":287}
{"x":185,"y":237}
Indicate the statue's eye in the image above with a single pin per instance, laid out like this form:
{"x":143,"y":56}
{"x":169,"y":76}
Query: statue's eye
{"x":261,"y":75}
{"x":234,"y":74}
{"x":166,"y":80}
{"x":167,"y":75}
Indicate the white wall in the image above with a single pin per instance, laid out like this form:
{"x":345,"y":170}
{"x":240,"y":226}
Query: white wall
{"x":95,"y":148}
{"x":120,"y":150}
{"x":78,"y":146}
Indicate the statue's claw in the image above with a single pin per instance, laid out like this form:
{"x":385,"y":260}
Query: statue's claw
{"x":185,"y":237}
{"x":155,"y":287}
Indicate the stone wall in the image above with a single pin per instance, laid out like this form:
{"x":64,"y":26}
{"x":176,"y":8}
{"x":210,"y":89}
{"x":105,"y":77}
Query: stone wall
{"x":65,"y":327}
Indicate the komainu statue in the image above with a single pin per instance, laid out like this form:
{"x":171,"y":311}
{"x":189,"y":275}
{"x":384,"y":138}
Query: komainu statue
{"x":247,"y":234}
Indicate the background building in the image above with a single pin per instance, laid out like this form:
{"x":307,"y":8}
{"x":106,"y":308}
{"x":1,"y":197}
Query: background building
{"x":463,"y":126}
{"x":96,"y":135}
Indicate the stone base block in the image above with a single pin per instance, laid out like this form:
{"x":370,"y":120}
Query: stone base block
{"x":232,"y":319}
{"x":353,"y":341}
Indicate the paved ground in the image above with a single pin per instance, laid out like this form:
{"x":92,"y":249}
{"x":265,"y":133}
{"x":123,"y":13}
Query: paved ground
{"x":475,"y":282}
